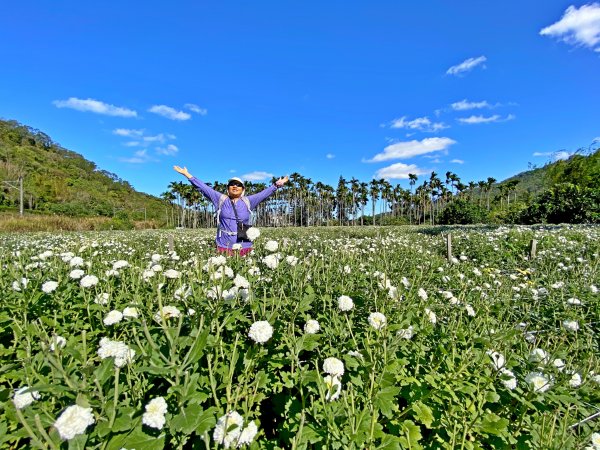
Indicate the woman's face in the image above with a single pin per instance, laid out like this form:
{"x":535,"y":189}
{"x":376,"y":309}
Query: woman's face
{"x":235,"y":189}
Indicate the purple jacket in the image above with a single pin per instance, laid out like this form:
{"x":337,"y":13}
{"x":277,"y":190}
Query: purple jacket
{"x":227,"y":221}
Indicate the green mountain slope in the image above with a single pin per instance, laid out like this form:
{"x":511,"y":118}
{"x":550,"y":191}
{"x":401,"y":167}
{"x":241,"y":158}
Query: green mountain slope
{"x":57,"y":180}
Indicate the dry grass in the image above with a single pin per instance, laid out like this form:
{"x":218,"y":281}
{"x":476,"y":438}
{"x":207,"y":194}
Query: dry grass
{"x":15,"y":223}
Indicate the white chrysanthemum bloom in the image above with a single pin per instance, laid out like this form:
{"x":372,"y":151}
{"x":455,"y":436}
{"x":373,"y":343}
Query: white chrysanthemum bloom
{"x":115,"y":349}
{"x":498,"y":360}
{"x":236,"y":246}
{"x":377,"y":320}
{"x":57,"y":342}
{"x":291,"y":260}
{"x":18,"y":285}
{"x":23,"y":399}
{"x":156,"y":257}
{"x":405,"y":333}
{"x":241,"y":282}
{"x":228,"y":429}
{"x":172,"y":274}
{"x":76,"y":274}
{"x":538,"y":381}
{"x":593,"y":289}
{"x":575,"y":380}
{"x":249,"y":433}
{"x":311,"y":327}
{"x":89,"y":281}
{"x":333,"y":366}
{"x":183,"y":292}
{"x":260,"y":331}
{"x":113,"y":317}
{"x":422,"y":294}
{"x":431,"y":315}
{"x":571,"y":325}
{"x":253,"y":233}
{"x":557,"y":285}
{"x":112,"y":273}
{"x":120,"y":264}
{"x":538,"y":355}
{"x":254,"y":271}
{"x":271,"y":246}
{"x":405,"y":282}
{"x":595,"y":439}
{"x":345,"y":303}
{"x":191,"y":312}
{"x":334,"y":387}
{"x":49,"y":286}
{"x":559,"y":364}
{"x":154,"y":416}
{"x":167,"y":312}
{"x":73,"y":421}
{"x":147,"y":274}
{"x":156,"y":268}
{"x":76,"y":261}
{"x":470,"y":310}
{"x":244,"y":294}
{"x":102,"y":299}
{"x":131,"y":312}
{"x":355,"y":354}
{"x":574,"y":301}
{"x":508,"y":379}
{"x":271,"y":261}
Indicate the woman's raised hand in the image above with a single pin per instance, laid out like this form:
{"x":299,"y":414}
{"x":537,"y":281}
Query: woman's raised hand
{"x":183,"y":171}
{"x":282,"y":181}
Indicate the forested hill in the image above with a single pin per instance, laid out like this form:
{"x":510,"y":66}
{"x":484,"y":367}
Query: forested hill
{"x":57,"y":180}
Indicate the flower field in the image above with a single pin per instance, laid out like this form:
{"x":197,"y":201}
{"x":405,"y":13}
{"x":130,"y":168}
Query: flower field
{"x":345,"y":338}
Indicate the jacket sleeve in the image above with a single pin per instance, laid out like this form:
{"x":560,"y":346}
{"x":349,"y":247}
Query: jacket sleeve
{"x":255,"y":199}
{"x":206,"y":190}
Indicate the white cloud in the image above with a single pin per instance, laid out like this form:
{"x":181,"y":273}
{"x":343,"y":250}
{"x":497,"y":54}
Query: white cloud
{"x":406,"y":150}
{"x":169,"y":150}
{"x":169,"y":113}
{"x":466,"y":65}
{"x":398,"y":171}
{"x":457,"y":161}
{"x":196,"y":109}
{"x":95,"y":106}
{"x":464,"y":105}
{"x":128,"y":133}
{"x":556,"y":156}
{"x":256,"y":176}
{"x":329,"y":156}
{"x":132,"y":144}
{"x":157,"y":138}
{"x":139,"y":157}
{"x":578,"y":26}
{"x":482,"y":119}
{"x":420,"y":123}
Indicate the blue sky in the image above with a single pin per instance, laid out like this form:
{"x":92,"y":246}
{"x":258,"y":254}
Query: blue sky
{"x":323,"y":88}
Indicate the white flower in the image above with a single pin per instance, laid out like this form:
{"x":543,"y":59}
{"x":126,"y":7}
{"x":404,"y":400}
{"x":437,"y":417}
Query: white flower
{"x":76,"y":261}
{"x":406,"y":333}
{"x":121,"y":264}
{"x":17,"y":285}
{"x":557,"y":285}
{"x":311,"y":327}
{"x":538,"y":355}
{"x":594,"y":290}
{"x":249,"y":433}
{"x":57,"y":342}
{"x":260,"y":331}
{"x":575,"y":380}
{"x":241,"y":282}
{"x":538,"y":381}
{"x":147,"y":274}
{"x":470,"y":310}
{"x":89,"y":281}
{"x":156,"y":257}
{"x":154,"y":416}
{"x":596,"y":441}
{"x":421,"y":293}
{"x":571,"y":325}
{"x":102,"y":299}
{"x":333,"y":366}
{"x":377,"y":320}
{"x":49,"y":286}
{"x":236,"y":246}
{"x":345,"y":303}
{"x":172,"y":274}
{"x":167,"y":312}
{"x":228,"y":429}
{"x":23,"y":399}
{"x":405,"y":282}
{"x":508,"y":379}
{"x":559,"y":364}
{"x":73,"y":421}
{"x":183,"y":292}
{"x":334,"y":387}
{"x":156,"y":268}
{"x":431,"y":315}
{"x":113,"y":317}
{"x":574,"y":301}
{"x":253,"y":233}
{"x":112,"y":273}
{"x":291,"y":260}
{"x":130,"y":312}
{"x":498,"y":360}
{"x":115,"y":349}
{"x":76,"y":274}
{"x":271,"y":261}
{"x":271,"y":246}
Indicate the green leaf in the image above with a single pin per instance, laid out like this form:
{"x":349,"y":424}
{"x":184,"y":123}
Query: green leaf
{"x":193,"y":418}
{"x":386,"y":401}
{"x":105,"y":370}
{"x":493,"y":424}
{"x":423,"y":413}
{"x":491,"y":397}
{"x":197,"y":349}
{"x":78,"y":442}
{"x":137,"y":439}
{"x":412,"y":435}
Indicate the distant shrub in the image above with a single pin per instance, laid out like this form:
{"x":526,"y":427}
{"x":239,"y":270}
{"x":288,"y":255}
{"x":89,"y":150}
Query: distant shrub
{"x":462,"y":212}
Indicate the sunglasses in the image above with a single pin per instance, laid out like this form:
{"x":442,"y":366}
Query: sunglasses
{"x":235,"y":183}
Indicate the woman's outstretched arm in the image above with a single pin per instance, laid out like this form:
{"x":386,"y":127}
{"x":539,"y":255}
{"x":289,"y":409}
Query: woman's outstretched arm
{"x":202,"y":187}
